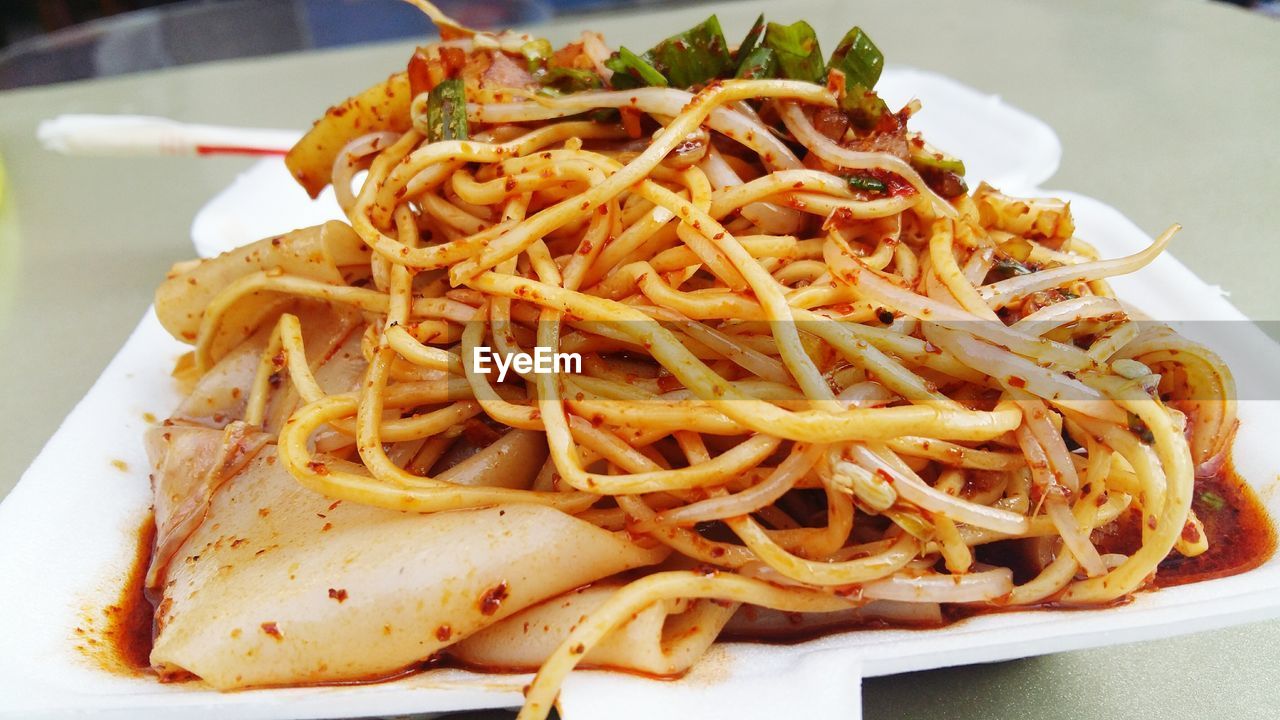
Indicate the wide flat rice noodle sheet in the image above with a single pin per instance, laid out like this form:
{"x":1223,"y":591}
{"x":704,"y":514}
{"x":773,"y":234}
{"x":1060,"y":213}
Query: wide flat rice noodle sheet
{"x":220,"y":395}
{"x":190,"y":464}
{"x":666,"y":638}
{"x":316,"y":253}
{"x":511,"y":461}
{"x":282,"y":586}
{"x":336,"y":362}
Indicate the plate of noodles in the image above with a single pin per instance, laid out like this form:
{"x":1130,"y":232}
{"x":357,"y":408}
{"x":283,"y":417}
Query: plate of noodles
{"x":816,"y":404}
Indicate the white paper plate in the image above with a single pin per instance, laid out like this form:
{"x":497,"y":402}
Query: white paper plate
{"x":67,"y":529}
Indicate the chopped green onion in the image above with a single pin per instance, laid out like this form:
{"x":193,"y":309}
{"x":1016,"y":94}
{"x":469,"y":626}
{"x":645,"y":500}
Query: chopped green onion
{"x":866,"y":183}
{"x":864,"y":107}
{"x":536,"y":53}
{"x":761,"y":63}
{"x":859,"y":59}
{"x":565,"y":81}
{"x":924,"y":155}
{"x":938,"y":161}
{"x":631,"y":71}
{"x":748,"y":44}
{"x":1212,"y":500}
{"x":447,"y":111}
{"x":798,"y":53}
{"x":693,"y":56}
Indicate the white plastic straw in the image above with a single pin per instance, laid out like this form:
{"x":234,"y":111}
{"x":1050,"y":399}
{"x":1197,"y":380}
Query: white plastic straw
{"x":139,"y":135}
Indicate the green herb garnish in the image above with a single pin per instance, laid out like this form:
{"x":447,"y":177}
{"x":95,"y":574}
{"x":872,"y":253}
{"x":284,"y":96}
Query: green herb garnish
{"x":564,"y":81}
{"x":761,"y":63}
{"x":536,"y":53}
{"x":1212,"y":500}
{"x":682,"y":60}
{"x":866,"y":183}
{"x":748,"y":44}
{"x":934,"y":159}
{"x":632,"y":71}
{"x":447,"y":111}
{"x":861,"y":62}
{"x":864,"y":108}
{"x":693,"y":56}
{"x":859,"y":59}
{"x":1008,"y":267}
{"x":799,"y":55}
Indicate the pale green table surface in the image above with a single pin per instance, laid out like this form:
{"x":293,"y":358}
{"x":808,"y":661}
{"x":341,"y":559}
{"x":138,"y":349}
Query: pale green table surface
{"x":1167,"y":109}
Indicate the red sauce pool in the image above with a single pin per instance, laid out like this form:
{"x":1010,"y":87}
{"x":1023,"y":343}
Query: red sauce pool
{"x":122,"y":643}
{"x":1241,"y":536}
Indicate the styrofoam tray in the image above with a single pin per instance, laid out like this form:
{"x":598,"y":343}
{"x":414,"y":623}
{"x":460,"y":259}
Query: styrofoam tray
{"x":67,"y":530}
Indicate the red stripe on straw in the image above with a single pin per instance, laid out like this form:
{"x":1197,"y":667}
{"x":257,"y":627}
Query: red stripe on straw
{"x":234,"y":150}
